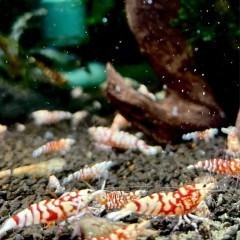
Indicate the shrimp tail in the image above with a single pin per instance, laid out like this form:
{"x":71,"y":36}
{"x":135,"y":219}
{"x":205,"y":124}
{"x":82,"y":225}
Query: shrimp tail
{"x":9,"y":224}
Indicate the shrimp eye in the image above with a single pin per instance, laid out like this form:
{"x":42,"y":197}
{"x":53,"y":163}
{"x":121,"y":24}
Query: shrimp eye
{"x":204,"y":185}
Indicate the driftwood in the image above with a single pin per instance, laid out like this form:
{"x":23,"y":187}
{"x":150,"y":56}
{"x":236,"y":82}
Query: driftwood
{"x":167,"y":49}
{"x":190,"y":104}
{"x":164,"y":120}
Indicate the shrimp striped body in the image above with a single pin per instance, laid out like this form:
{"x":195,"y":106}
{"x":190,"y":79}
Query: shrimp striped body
{"x":201,"y":135}
{"x":61,"y":145}
{"x":117,"y":199}
{"x":217,"y":165}
{"x":121,"y":140}
{"x":87,"y":173}
{"x":45,"y":117}
{"x":129,"y":232}
{"x":181,"y":202}
{"x":46,"y":211}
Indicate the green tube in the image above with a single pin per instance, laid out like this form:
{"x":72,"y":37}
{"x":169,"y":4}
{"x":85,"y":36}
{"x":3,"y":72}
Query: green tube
{"x":64,"y":23}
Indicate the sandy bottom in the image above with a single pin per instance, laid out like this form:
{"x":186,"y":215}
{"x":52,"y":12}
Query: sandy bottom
{"x":133,"y":170}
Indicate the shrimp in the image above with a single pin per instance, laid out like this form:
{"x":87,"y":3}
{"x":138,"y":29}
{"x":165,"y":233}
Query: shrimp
{"x":46,"y":211}
{"x":119,"y":122}
{"x":91,"y":226}
{"x":45,"y":117}
{"x":39,"y":169}
{"x":61,"y":145}
{"x":121,"y":140}
{"x":181,"y":203}
{"x":233,"y":142}
{"x":201,"y":135}
{"x":129,"y":232}
{"x":54,"y":184}
{"x":217,"y":165}
{"x":87,"y":173}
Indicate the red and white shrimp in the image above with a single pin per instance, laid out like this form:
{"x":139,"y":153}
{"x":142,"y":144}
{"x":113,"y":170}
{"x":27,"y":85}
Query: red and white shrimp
{"x":182,"y":203}
{"x":121,"y":140}
{"x":119,"y":122}
{"x":233,"y":142}
{"x":87,"y":173}
{"x":69,"y":204}
{"x":129,"y":232}
{"x":201,"y":135}
{"x":42,"y":117}
{"x":116,"y":199}
{"x":218,"y":165}
{"x":61,"y":145}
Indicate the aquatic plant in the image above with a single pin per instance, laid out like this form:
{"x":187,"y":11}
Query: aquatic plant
{"x":209,"y":21}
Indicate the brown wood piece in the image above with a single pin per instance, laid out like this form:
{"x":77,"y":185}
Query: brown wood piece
{"x":166,"y":47}
{"x":156,"y":118}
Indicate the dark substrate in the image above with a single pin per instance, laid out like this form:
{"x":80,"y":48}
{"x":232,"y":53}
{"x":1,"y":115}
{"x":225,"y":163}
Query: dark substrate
{"x":164,"y":172}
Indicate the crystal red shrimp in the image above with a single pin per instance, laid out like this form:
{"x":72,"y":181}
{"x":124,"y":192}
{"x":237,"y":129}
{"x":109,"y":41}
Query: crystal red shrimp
{"x":218,"y":165}
{"x":87,"y":173}
{"x":181,"y":203}
{"x":61,"y":145}
{"x":46,"y":211}
{"x":42,"y":117}
{"x":201,"y":135}
{"x":116,"y":199}
{"x":129,"y":232}
{"x":121,"y":140}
